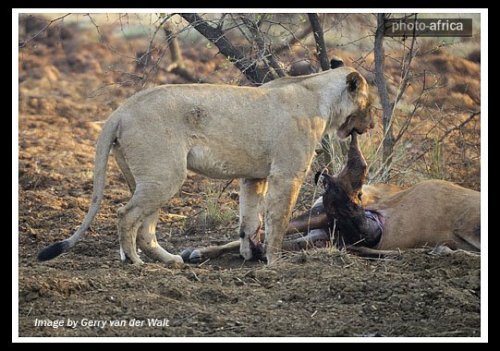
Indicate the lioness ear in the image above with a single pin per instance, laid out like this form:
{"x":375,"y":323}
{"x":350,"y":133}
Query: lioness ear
{"x":353,"y":80}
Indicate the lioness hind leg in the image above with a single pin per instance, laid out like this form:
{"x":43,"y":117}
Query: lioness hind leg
{"x":280,"y":200}
{"x":129,"y":178}
{"x":252,"y":192}
{"x":122,"y":164}
{"x":146,"y":201}
{"x":131,"y":216}
{"x":148,"y":243}
{"x":158,"y":167}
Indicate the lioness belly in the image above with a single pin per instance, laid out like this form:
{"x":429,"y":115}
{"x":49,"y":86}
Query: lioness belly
{"x":225,"y":163}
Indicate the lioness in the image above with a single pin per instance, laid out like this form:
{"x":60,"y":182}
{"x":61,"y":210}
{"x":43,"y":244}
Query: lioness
{"x":264,"y":135}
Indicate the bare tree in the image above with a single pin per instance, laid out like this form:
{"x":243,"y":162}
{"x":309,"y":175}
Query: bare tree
{"x":320,"y":41}
{"x":247,"y":66}
{"x":177,"y":66}
{"x":388,"y":106}
{"x":321,"y":52}
{"x":296,"y":38}
{"x":264,"y":47}
{"x":327,"y":141}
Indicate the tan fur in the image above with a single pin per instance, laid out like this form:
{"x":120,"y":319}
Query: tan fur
{"x":372,"y":193}
{"x":431,"y":213}
{"x":266,"y":136}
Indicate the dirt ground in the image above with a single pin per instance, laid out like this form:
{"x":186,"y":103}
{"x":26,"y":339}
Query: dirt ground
{"x":64,"y":88}
{"x":319,"y":293}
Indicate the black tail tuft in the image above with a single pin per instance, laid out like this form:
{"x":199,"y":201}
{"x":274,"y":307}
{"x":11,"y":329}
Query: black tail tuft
{"x":53,"y":250}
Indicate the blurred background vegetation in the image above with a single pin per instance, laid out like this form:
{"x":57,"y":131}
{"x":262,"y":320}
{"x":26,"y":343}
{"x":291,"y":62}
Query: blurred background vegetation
{"x":90,"y":63}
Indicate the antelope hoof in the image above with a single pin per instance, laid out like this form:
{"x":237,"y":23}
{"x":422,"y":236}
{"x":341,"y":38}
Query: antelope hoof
{"x":185,"y":254}
{"x":195,"y":256}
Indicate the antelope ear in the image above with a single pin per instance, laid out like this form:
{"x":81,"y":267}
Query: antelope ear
{"x":324,"y":180}
{"x":336,"y":62}
{"x":353,"y":80}
{"x":318,"y":177}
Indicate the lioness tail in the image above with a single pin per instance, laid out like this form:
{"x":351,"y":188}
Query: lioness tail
{"x":104,"y":144}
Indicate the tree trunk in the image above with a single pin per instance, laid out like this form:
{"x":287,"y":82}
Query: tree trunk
{"x":177,"y":65}
{"x":173,"y":43}
{"x":320,"y":41}
{"x":325,"y":65}
{"x":387,"y":107}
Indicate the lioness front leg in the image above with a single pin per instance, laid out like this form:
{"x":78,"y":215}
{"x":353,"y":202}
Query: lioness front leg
{"x":280,"y":200}
{"x":252,"y":192}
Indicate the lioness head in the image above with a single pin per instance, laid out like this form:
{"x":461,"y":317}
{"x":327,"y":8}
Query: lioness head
{"x":358,"y":101}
